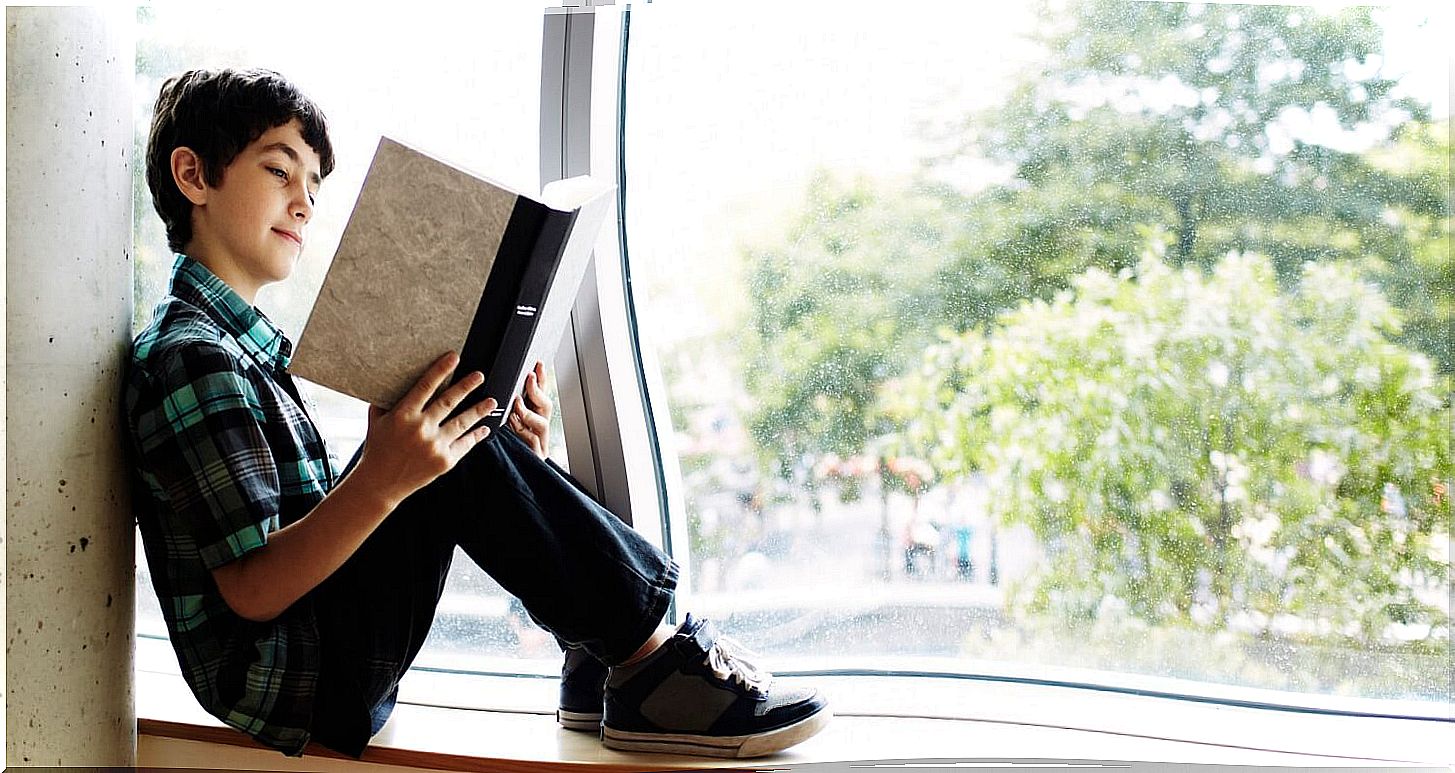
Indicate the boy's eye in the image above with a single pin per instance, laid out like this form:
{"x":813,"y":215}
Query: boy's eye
{"x":282,"y":175}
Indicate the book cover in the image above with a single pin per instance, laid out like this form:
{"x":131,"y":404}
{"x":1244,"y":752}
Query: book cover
{"x":436,"y":258}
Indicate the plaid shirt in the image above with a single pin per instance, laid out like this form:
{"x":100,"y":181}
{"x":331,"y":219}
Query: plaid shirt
{"x":224,"y":454}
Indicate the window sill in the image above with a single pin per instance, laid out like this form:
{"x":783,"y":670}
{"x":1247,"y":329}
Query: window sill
{"x":878,"y":718}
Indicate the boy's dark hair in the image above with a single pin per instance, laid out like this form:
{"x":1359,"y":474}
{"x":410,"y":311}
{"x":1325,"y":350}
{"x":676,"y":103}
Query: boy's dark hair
{"x":217,"y":113}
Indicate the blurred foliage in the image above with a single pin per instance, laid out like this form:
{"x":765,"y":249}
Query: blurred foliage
{"x":1196,"y":119}
{"x":1248,"y":418}
{"x":1181,"y":118}
{"x":1206,"y":449}
{"x":850,"y":277}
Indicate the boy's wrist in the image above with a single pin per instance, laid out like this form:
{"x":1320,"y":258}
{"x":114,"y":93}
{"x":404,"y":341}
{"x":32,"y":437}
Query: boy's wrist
{"x":366,"y":488}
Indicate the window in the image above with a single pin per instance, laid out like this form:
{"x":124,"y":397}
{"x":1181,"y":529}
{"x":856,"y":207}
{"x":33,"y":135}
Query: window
{"x":1109,"y":339}
{"x":1108,"y":336}
{"x":465,"y":86}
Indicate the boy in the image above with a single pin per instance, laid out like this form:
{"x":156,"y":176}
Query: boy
{"x":296,"y":598}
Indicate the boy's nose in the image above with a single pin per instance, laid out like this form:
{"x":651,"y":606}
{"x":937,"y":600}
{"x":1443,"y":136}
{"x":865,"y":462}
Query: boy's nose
{"x":302,"y":209}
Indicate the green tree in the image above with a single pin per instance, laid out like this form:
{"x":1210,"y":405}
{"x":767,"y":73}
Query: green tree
{"x":1199,"y":119}
{"x":1199,"y":447}
{"x":849,"y":277}
{"x":1143,"y":117}
{"x":1421,"y":278}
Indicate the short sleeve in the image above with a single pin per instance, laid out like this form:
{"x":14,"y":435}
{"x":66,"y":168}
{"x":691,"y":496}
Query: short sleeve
{"x":201,"y":440}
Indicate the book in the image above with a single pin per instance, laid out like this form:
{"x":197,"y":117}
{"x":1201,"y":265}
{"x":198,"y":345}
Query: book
{"x":436,"y":258}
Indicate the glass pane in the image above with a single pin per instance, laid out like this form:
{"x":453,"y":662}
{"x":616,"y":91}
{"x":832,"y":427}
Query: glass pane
{"x":462,"y":83}
{"x":1101,"y":335}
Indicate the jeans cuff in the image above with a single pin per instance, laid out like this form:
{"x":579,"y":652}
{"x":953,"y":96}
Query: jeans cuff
{"x":664,"y":589}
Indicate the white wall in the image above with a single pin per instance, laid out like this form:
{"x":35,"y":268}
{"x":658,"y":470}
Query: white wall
{"x":68,"y":525}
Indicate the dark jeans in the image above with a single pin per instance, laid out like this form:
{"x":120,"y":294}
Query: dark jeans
{"x":580,"y":572}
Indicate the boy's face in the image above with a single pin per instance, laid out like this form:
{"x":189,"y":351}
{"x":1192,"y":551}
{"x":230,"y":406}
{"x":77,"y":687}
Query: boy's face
{"x":250,"y":229}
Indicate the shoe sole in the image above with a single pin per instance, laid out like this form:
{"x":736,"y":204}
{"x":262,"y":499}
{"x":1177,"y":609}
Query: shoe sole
{"x":739,"y":746}
{"x":581,"y":721}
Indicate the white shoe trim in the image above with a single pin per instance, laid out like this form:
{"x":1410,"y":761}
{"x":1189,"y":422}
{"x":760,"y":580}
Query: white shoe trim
{"x":738,"y":746}
{"x":579,"y":720}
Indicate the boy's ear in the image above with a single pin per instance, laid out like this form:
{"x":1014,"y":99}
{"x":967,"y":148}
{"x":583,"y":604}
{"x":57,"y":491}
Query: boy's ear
{"x":187,"y":174}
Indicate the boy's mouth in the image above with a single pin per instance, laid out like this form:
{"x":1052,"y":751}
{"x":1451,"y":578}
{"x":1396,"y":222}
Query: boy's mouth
{"x":289,"y":235}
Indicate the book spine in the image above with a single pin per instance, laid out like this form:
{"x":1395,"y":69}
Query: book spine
{"x":510,"y":367}
{"x":482,"y":346}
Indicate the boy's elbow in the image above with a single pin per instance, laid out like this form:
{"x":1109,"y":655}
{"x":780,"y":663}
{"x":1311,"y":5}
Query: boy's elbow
{"x":252,"y":612}
{"x":240,"y":595}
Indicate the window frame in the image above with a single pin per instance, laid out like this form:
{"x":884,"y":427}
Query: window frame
{"x":615,"y":444}
{"x":618,"y":441}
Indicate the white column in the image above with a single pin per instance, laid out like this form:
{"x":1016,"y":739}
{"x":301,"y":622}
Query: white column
{"x":68,"y":277}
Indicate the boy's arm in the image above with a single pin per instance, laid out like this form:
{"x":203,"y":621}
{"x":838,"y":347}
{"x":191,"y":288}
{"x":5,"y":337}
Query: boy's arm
{"x":263,"y":583}
{"x":205,"y":445}
{"x":404,"y":450}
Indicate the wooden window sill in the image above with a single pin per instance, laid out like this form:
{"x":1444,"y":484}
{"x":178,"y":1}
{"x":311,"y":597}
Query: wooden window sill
{"x":878,"y":718}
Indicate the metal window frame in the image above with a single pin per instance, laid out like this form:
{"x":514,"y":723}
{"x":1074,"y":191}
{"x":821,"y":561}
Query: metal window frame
{"x":613,"y":446}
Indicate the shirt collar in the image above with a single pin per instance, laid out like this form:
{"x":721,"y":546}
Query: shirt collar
{"x":258,"y":336}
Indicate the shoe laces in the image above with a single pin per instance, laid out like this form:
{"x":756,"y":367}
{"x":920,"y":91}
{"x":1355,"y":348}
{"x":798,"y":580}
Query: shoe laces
{"x":729,"y":662}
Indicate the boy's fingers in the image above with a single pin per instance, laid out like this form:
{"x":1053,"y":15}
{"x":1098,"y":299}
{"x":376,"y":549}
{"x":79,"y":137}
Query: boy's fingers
{"x":537,"y":394}
{"x":520,"y":413}
{"x":470,"y":439}
{"x":468,"y":419}
{"x":532,"y":427}
{"x":419,"y":394}
{"x":446,"y":402}
{"x":531,"y":418}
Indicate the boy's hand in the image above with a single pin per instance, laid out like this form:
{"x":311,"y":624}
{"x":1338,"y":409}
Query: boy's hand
{"x":411,"y":445}
{"x":530,"y":417}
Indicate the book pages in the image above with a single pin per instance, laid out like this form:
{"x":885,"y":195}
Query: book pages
{"x":596,"y":203}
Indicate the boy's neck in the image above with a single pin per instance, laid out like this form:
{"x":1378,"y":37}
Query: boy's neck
{"x":226,"y":272}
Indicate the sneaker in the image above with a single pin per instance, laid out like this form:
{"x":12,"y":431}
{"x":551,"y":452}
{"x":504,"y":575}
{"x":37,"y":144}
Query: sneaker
{"x":697,"y":694}
{"x":583,"y":678}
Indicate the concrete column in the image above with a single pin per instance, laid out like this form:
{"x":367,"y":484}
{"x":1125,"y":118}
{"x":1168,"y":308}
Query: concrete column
{"x":68,"y":276}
